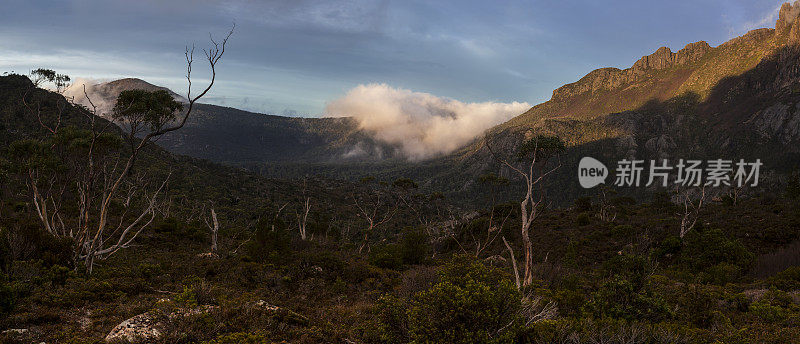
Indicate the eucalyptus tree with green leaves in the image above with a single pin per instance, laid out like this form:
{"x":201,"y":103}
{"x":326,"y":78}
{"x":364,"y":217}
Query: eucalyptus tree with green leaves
{"x":41,"y":75}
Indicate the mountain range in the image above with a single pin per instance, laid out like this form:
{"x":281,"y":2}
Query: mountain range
{"x":735,"y":100}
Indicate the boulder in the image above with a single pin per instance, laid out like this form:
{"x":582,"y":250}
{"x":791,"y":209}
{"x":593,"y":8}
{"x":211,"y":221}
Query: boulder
{"x":141,"y":327}
{"x":150,"y":325}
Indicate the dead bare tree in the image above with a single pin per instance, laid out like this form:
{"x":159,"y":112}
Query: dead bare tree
{"x":60,"y":106}
{"x":302,"y":219}
{"x":513,"y":263}
{"x":102,"y":173}
{"x":533,"y":309}
{"x":481,"y":244}
{"x":302,"y":216}
{"x":606,"y":212}
{"x":375,"y":211}
{"x":691,"y":208}
{"x":213,"y":227}
{"x":537,"y":149}
{"x":493,"y":230}
{"x":277,"y":216}
{"x":734,"y":193}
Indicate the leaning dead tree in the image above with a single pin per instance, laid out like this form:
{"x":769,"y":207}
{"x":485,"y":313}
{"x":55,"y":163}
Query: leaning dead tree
{"x":513,"y":262}
{"x":98,"y":170}
{"x":532,"y":155}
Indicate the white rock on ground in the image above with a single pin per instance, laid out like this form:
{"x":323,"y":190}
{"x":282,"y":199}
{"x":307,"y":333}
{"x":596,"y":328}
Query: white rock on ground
{"x":146,"y":326}
{"x":140,"y":327}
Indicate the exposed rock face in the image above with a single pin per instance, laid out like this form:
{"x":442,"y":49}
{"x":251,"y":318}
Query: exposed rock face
{"x":611,"y":78}
{"x":788,"y":25}
{"x":662,"y":146}
{"x":780,"y":122}
{"x":789,"y":22}
{"x":664,"y":58}
{"x":786,"y":16}
{"x":794,"y":33}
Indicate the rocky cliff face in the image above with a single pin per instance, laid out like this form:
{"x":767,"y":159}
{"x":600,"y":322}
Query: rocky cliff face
{"x":786,"y":16}
{"x":758,"y":42}
{"x":611,"y":78}
{"x":788,"y":22}
{"x":740,"y":99}
{"x":779,"y":122}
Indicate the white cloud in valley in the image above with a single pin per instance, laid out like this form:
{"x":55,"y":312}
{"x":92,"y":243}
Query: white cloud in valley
{"x":76,"y":93}
{"x":422,"y":125}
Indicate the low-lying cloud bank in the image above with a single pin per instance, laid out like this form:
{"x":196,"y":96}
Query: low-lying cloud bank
{"x":421,"y":124}
{"x":75,"y":92}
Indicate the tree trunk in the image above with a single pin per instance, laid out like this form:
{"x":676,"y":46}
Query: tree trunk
{"x":214,"y":231}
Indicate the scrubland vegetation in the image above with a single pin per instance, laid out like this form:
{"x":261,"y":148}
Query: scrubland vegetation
{"x":99,"y":225}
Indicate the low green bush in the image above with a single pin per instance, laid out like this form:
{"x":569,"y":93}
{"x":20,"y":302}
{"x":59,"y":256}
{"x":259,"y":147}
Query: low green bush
{"x":619,"y":298}
{"x":269,"y":244}
{"x":787,"y":280}
{"x":706,"y":248}
{"x":414,"y":246}
{"x":388,"y":256}
{"x":471,"y":303}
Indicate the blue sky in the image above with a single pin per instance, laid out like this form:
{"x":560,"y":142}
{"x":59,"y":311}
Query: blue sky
{"x":295,"y":56}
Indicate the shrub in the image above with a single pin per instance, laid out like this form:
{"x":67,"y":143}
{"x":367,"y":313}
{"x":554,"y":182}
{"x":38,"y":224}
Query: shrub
{"x":788,"y":279}
{"x":634,"y":268}
{"x":269,"y":243}
{"x":168,"y":225}
{"x":32,"y":242}
{"x":8,"y":298}
{"x":414,"y":247}
{"x":239,"y":338}
{"x":331,"y":263}
{"x":387,"y":256}
{"x":58,"y":274}
{"x":569,"y":302}
{"x":55,"y":250}
{"x":621,"y":231}
{"x":669,"y":247}
{"x":705,"y":248}
{"x":583,"y":204}
{"x":768,"y":312}
{"x":721,"y":274}
{"x":583,"y":219}
{"x":619,"y":298}
{"x":661,"y":200}
{"x":148,"y":271}
{"x":696,"y":305}
{"x":793,"y":187}
{"x":777,"y":297}
{"x":195,"y":292}
{"x":471,"y":303}
{"x":392,"y":320}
